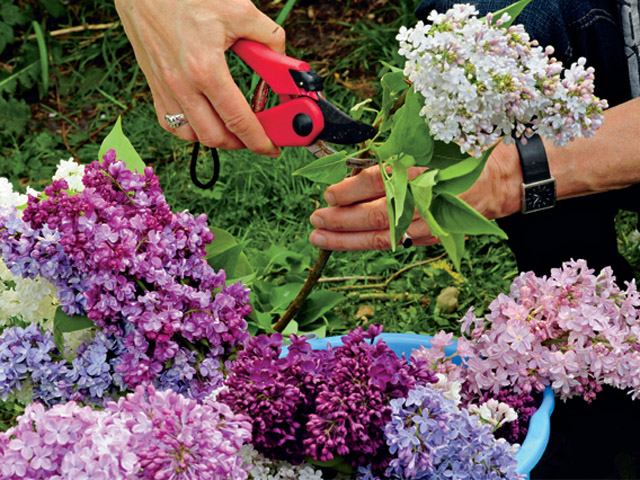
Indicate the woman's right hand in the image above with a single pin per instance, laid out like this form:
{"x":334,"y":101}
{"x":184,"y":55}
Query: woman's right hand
{"x":180,"y":47}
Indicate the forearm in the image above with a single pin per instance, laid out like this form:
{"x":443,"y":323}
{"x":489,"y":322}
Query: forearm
{"x":609,"y":160}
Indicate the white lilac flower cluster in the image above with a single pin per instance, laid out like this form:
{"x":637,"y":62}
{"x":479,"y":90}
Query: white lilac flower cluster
{"x":263,"y":469}
{"x":482,"y":81}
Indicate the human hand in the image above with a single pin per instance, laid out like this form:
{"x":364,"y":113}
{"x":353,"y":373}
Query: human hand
{"x":357,"y":217}
{"x":180,"y":48}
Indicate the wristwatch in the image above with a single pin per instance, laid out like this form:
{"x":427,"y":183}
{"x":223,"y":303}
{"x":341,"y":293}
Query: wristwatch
{"x":538,"y":187}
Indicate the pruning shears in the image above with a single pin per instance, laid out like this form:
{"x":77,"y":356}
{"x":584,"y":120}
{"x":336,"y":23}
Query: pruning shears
{"x":303,"y":117}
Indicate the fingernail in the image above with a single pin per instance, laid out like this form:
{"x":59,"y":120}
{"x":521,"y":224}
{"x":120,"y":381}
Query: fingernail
{"x":317,"y":221}
{"x":318,"y":239}
{"x":330,"y":198}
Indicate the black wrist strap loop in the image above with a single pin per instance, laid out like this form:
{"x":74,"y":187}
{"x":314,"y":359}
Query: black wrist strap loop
{"x":194,"y":162}
{"x":533,"y":160}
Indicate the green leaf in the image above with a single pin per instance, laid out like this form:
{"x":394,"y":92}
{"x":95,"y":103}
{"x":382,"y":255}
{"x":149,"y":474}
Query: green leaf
{"x":316,"y":305}
{"x":338,"y":463}
{"x":227,"y":254}
{"x":358,"y":109}
{"x":14,"y":115}
{"x":402,"y":223}
{"x":330,"y":169}
{"x":446,"y":154}
{"x":6,"y":36}
{"x":399,"y":181}
{"x":12,"y":14}
{"x":292,"y":327}
{"x":453,"y":243}
{"x":117,"y":141}
{"x":54,"y":7}
{"x":422,"y":188}
{"x":459,"y":169}
{"x":64,"y":323}
{"x":513,"y":10}
{"x":410,"y":134}
{"x":282,"y":296}
{"x":456,"y":216}
{"x":455,"y":185}
{"x":393,"y":87}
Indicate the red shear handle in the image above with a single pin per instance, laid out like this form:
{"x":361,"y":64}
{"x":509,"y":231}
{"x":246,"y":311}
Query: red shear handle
{"x":273,"y":67}
{"x":293,"y":124}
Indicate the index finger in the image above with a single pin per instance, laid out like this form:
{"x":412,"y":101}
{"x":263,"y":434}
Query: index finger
{"x":236,"y":114}
{"x":367,"y":185}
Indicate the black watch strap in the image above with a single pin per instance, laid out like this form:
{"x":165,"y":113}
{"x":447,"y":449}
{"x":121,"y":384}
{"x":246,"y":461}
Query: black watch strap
{"x":533,"y":160}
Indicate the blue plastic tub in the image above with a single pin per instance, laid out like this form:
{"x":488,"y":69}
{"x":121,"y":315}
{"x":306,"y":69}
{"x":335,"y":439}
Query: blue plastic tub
{"x":537,"y":437}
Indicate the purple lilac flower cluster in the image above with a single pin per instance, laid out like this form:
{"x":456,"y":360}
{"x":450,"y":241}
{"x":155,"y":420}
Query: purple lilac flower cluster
{"x":320,"y":403}
{"x":131,"y":261}
{"x":145,"y":435}
{"x":432,"y":438}
{"x":32,"y":252}
{"x":30,"y":360}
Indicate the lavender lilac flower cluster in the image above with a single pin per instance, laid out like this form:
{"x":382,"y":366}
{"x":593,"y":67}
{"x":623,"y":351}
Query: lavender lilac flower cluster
{"x":31,"y":368}
{"x":117,"y":253}
{"x":481,"y":81}
{"x":432,"y":438}
{"x":325,"y":404}
{"x":146,"y":435}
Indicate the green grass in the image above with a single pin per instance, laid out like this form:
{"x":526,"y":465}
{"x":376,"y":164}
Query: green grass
{"x":96,"y":78}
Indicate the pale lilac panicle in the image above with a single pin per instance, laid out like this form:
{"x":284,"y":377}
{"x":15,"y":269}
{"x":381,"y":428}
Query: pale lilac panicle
{"x":481,"y":81}
{"x":145,"y":435}
{"x":573,"y":330}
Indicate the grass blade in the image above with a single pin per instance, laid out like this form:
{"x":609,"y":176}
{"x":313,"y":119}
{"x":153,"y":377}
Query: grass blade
{"x":44,"y":57}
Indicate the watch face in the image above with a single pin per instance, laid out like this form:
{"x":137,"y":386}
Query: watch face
{"x":539,"y":196}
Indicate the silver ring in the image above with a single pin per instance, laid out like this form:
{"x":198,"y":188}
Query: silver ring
{"x":175,"y":121}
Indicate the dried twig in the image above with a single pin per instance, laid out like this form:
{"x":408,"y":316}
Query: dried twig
{"x":79,"y":28}
{"x":391,"y":278}
{"x":359,"y":278}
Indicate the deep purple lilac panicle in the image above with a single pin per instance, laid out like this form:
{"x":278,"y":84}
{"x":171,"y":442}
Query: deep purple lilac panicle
{"x":319,"y":403}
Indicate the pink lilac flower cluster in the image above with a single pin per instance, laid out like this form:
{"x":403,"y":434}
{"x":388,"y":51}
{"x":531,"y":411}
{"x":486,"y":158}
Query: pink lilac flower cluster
{"x":481,"y":81}
{"x":139,"y":264}
{"x":145,"y":435}
{"x":320,"y":403}
{"x":573,"y":330}
{"x":432,"y":438}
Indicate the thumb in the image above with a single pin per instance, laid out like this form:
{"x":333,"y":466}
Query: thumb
{"x":260,"y":28}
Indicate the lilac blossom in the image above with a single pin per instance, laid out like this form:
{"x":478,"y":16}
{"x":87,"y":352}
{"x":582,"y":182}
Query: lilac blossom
{"x":115,"y":252}
{"x":326,"y":404}
{"x":481,"y":81}
{"x":145,"y":435}
{"x":431,"y":438}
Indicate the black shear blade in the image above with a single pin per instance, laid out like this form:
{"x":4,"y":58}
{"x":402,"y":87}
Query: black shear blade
{"x":341,"y":128}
